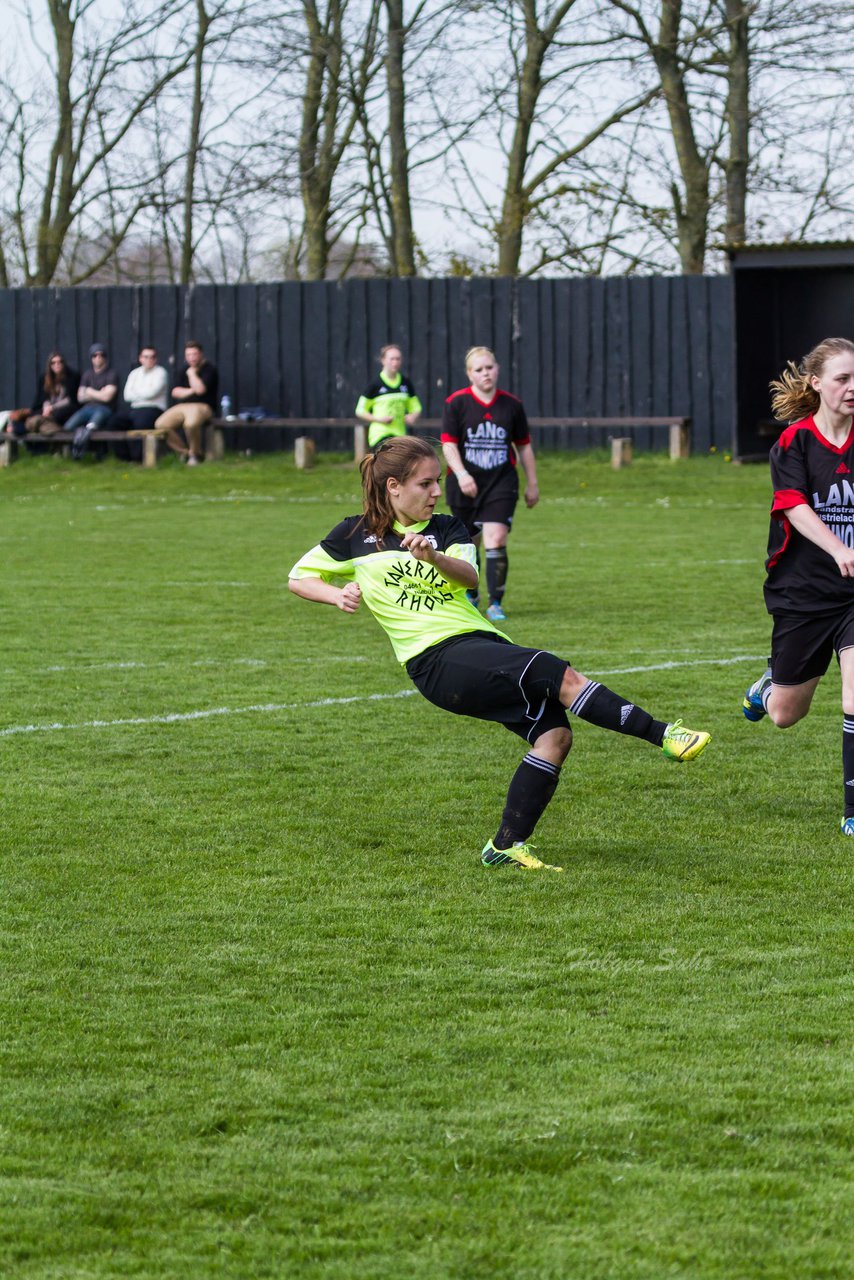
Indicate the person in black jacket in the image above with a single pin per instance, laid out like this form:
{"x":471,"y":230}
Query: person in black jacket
{"x":55,"y":399}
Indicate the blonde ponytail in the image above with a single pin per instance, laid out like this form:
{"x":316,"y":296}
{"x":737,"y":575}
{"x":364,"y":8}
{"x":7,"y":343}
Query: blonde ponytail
{"x":792,"y":394}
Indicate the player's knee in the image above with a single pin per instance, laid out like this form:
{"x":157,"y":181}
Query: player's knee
{"x":554,"y":745}
{"x":571,"y":685}
{"x":785,"y":717}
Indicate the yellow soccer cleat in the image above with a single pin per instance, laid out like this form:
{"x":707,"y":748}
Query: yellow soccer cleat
{"x":518,"y":855}
{"x":684,"y":744}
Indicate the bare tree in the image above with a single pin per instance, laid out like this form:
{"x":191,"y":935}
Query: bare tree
{"x":89,"y":95}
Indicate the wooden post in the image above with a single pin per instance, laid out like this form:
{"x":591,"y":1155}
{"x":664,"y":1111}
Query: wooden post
{"x":303,"y":453}
{"x":679,"y":441}
{"x":214,"y":443}
{"x":8,"y":450}
{"x":621,"y":451}
{"x":149,"y":449}
{"x":360,"y":441}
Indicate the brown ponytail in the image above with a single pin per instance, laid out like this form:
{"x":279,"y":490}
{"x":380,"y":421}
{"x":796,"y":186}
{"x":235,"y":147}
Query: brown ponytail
{"x":792,"y":394}
{"x":395,"y":459}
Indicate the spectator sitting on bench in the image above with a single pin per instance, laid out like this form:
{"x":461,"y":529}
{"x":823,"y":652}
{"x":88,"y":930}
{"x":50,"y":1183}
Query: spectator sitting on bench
{"x":196,"y":392}
{"x":145,"y":395}
{"x":54,"y":402}
{"x":99,"y":390}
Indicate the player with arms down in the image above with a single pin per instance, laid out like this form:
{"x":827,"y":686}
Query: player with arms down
{"x":412,"y":568}
{"x":483,"y":431}
{"x":389,"y":404}
{"x":809,"y":588}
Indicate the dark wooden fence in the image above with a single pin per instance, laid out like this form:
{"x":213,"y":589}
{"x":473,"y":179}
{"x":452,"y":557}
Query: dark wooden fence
{"x":591,"y":347}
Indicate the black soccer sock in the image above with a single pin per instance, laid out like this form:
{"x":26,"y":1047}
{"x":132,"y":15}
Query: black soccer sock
{"x":600,"y":706}
{"x":848,"y":763}
{"x":531,"y":788}
{"x":496,"y":573}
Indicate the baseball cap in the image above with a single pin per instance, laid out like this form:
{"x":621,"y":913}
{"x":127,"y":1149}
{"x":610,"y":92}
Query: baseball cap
{"x":97,"y":349}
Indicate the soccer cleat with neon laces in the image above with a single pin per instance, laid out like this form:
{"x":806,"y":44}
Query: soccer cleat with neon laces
{"x":680,"y":743}
{"x":846,"y":826}
{"x":518,"y":855}
{"x":753,"y":702}
{"x":495,"y":613}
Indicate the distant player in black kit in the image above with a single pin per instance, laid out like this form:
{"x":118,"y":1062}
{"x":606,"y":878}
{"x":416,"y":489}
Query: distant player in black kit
{"x":483,"y":431}
{"x":809,"y":590}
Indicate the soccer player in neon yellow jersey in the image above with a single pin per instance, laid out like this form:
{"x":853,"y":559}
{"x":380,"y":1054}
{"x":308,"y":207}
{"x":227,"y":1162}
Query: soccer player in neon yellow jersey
{"x":389,"y":405}
{"x":412,"y":569}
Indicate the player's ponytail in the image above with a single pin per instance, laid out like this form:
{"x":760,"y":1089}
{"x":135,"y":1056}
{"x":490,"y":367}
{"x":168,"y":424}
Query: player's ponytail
{"x":395,"y":459}
{"x":792,"y":394}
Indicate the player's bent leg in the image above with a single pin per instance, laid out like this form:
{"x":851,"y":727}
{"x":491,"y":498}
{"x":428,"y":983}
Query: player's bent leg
{"x":786,"y":704}
{"x":592,"y":701}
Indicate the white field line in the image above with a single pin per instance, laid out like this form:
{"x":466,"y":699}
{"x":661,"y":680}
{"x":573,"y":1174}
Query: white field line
{"x":176,"y":717}
{"x":199,"y":662}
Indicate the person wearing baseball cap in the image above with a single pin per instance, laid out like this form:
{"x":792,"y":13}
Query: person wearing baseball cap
{"x":97,"y":397}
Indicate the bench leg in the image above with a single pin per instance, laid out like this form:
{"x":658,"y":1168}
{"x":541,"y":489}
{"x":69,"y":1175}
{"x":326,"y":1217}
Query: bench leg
{"x":214,"y":445}
{"x":149,"y":450}
{"x":621,"y":451}
{"x":360,"y":441}
{"x":303,"y":453}
{"x":680,"y":442}
{"x":8,"y":450}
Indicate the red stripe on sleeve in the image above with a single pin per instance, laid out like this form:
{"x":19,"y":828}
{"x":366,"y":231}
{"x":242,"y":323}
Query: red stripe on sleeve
{"x":785,"y":499}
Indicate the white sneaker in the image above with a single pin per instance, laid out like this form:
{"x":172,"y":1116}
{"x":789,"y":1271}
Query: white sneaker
{"x":192,"y":460}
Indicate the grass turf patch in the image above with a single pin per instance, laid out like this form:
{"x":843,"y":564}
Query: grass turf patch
{"x":264,"y":1013}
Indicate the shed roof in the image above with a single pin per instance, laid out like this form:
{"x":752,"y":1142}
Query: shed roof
{"x":792,"y":253}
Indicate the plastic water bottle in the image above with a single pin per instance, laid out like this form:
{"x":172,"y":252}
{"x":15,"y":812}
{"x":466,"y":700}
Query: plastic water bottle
{"x":225,"y":408}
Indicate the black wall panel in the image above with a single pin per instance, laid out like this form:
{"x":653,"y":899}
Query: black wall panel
{"x":587,"y":347}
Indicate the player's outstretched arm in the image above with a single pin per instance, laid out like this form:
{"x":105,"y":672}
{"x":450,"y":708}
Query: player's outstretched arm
{"x":347,"y":598}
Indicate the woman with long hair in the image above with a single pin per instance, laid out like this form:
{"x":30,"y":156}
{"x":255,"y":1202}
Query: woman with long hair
{"x":809,"y":585}
{"x":412,"y":568}
{"x":56,"y":396}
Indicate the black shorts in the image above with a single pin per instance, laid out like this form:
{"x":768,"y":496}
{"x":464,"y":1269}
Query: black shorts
{"x":494,"y":503}
{"x":802,"y":644}
{"x":485,"y":676}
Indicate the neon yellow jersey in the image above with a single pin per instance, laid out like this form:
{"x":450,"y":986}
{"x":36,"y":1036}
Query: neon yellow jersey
{"x":392,"y":397}
{"x":414,"y":604}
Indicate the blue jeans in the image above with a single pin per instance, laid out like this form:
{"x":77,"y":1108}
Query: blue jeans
{"x":94,"y":413}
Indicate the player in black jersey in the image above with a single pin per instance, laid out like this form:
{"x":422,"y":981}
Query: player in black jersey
{"x":412,"y":568}
{"x":809,"y":588}
{"x":483,"y":431}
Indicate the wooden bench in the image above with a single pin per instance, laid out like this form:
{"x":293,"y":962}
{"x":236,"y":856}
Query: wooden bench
{"x":678,"y":430}
{"x":9,"y":443}
{"x":621,"y":445}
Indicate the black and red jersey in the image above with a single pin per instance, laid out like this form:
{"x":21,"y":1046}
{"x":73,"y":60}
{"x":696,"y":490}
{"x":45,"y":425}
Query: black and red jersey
{"x":484,"y":433}
{"x":806,"y":469}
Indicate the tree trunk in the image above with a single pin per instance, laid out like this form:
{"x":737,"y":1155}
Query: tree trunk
{"x":692,"y":215}
{"x":59,"y":192}
{"x":403,"y":240}
{"x":187,"y":247}
{"x":514,"y":207}
{"x":738,"y":119}
{"x":317,"y":141}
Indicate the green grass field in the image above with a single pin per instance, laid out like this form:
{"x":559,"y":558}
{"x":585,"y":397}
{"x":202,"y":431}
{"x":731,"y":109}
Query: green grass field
{"x":265,"y":1015}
